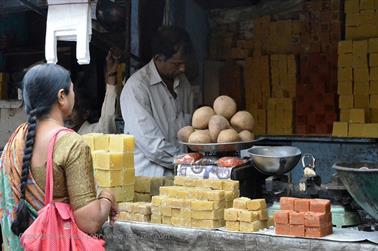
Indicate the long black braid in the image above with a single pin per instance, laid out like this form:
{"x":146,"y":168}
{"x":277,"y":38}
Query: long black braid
{"x":41,"y":86}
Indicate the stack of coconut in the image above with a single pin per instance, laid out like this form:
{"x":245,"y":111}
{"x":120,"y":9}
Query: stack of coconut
{"x":218,"y":124}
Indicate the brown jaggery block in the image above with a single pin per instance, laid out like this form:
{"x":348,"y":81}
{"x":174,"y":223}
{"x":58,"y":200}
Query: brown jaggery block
{"x":256,"y":204}
{"x":233,"y":225}
{"x":320,"y":206}
{"x":282,"y":216}
{"x":317,"y":219}
{"x":296,"y":218}
{"x":175,"y":212}
{"x":302,"y":205}
{"x":264,"y":224}
{"x":231,"y":214}
{"x":247,"y":216}
{"x":141,"y":217}
{"x":287,"y":203}
{"x":241,"y":203}
{"x":315,"y":232}
{"x":126,"y":206}
{"x":208,"y":215}
{"x":297,"y":230}
{"x":180,"y":222}
{"x":283,"y":229}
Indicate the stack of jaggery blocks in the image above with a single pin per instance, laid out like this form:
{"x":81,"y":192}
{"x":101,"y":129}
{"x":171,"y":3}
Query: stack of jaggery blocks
{"x":303,"y":217}
{"x":246,"y":215}
{"x":113,"y":162}
{"x":361,"y":19}
{"x":187,"y":205}
{"x":358,"y":89}
{"x":257,"y":89}
{"x":134,"y":211}
{"x":146,"y":187}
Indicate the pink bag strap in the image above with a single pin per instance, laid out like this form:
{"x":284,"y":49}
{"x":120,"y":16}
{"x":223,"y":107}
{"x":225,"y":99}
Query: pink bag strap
{"x":49,"y":172}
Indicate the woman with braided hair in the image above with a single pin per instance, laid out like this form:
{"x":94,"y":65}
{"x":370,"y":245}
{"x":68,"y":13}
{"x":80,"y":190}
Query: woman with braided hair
{"x":49,"y":99}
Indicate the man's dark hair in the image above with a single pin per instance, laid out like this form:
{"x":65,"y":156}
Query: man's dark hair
{"x":169,"y":40}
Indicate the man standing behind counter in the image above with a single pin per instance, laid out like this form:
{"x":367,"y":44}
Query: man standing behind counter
{"x":156,"y":102}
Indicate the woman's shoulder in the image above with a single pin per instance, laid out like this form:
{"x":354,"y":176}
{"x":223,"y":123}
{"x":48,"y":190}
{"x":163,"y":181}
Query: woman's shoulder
{"x":71,"y":138}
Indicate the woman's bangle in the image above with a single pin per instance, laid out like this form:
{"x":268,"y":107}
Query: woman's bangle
{"x":99,"y":198}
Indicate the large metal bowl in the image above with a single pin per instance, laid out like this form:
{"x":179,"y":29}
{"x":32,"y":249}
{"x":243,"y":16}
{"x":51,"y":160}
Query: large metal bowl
{"x":275,"y":160}
{"x":361,"y":181}
{"x":221,"y":147}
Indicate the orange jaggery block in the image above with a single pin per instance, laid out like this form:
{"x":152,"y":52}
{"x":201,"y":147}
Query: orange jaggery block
{"x":315,"y":232}
{"x":317,"y":219}
{"x":297,"y":230}
{"x":320,"y":206}
{"x":281,"y":217}
{"x":302,"y":205}
{"x":283,"y":229}
{"x":296,"y":218}
{"x":287,"y":203}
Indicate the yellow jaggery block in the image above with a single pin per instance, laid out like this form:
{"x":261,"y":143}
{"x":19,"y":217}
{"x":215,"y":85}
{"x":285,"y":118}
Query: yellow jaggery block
{"x":166,"y":211}
{"x":156,"y":210}
{"x":103,"y":160}
{"x":233,"y":225}
{"x":186,"y":213}
{"x":111,"y":178}
{"x":230,"y":185}
{"x":241,"y":203}
{"x":231,"y":195}
{"x":256,"y":204}
{"x":128,"y":160}
{"x":179,"y":180}
{"x":247,"y":216}
{"x":89,"y":139}
{"x":180,"y":222}
{"x":156,"y":200}
{"x":126,"y":206}
{"x":213,"y":195}
{"x":175,"y":203}
{"x":250,"y":226}
{"x":183,"y":194}
{"x":128,"y":176}
{"x":124,"y":216}
{"x":201,"y":205}
{"x":208,"y":224}
{"x":231,"y":214}
{"x":142,"y":197}
{"x":190,"y":182}
{"x":156,"y":219}
{"x":169,"y":191}
{"x":141,"y":217}
{"x":216,"y":214}
{"x":166,"y":220}
{"x":128,"y":192}
{"x":175,"y":212}
{"x":121,"y":143}
{"x":216,"y":184}
{"x":262,"y":214}
{"x":101,"y":142}
{"x":141,"y":208}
